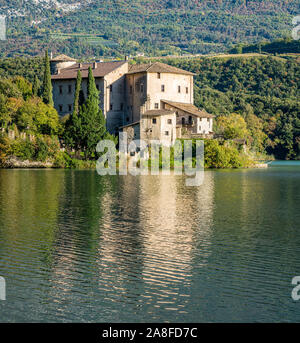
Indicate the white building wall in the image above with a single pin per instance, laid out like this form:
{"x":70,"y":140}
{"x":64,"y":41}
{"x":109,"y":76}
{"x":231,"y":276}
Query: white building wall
{"x":171,"y":83}
{"x":204,"y":125}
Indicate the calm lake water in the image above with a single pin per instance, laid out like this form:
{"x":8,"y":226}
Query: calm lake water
{"x":77,"y":247}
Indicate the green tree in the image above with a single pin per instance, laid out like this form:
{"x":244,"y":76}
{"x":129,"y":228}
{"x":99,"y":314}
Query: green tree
{"x":92,"y":119}
{"x":232,"y":126}
{"x":36,"y":86}
{"x":77,"y":92}
{"x":24,"y":86}
{"x":9,"y":89}
{"x":257,"y":136}
{"x":73,"y":128}
{"x":5,"y":115}
{"x":47,"y":86}
{"x":37,"y":117}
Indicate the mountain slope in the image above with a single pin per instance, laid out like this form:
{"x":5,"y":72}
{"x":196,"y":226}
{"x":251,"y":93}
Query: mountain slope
{"x":112,"y":27}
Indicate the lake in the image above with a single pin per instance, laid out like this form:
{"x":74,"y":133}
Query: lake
{"x":78,"y":247}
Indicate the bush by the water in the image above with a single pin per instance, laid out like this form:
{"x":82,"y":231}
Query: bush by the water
{"x":40,"y":148}
{"x":64,"y":160}
{"x":218,"y":155}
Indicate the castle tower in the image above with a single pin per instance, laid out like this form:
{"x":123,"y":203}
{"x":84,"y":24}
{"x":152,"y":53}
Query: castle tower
{"x":60,"y":62}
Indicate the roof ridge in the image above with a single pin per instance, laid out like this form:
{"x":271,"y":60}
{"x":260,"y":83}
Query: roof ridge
{"x":150,"y":65}
{"x":184,"y":107}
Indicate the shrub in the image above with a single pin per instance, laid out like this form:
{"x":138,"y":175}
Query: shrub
{"x":220,"y":156}
{"x":4,"y":149}
{"x":41,"y":150}
{"x":24,"y":149}
{"x":62,"y":160}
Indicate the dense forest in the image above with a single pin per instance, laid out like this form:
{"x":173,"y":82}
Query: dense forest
{"x":280,"y":46}
{"x":154,"y":27}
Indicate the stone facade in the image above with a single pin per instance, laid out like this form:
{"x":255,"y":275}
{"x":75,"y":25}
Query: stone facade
{"x":159,"y":126}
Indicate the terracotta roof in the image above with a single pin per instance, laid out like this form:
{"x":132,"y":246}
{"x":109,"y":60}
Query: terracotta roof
{"x":161,"y":112}
{"x":103,"y":68}
{"x":128,"y":125}
{"x":156,"y":67}
{"x":189,"y":108}
{"x":62,"y":58}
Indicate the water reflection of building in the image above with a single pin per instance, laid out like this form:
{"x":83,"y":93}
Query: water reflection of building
{"x":145,"y":237}
{"x":151,"y":234}
{"x":176,"y":220}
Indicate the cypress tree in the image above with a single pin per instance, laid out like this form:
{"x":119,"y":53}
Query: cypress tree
{"x":47,"y":86}
{"x":93,"y":121}
{"x":73,"y":130}
{"x":35,"y":86}
{"x":81,"y":98}
{"x":86,"y":125}
{"x":77,"y":92}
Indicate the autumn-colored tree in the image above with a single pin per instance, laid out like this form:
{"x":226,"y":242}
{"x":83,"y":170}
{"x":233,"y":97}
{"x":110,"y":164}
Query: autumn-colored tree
{"x":233,"y":126}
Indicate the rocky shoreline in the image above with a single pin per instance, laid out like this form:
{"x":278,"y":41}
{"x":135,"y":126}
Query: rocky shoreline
{"x":14,"y":162}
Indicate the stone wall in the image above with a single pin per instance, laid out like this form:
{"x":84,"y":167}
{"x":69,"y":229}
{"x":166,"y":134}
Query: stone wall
{"x":114,"y":102}
{"x":162,"y":128}
{"x":136,"y":95}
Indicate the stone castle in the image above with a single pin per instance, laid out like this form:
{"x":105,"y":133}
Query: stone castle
{"x":152,"y":101}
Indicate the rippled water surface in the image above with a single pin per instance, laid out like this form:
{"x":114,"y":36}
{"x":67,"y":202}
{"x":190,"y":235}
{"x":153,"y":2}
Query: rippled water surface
{"x":77,"y":247}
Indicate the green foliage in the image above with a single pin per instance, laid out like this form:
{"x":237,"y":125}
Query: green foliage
{"x":5,"y":115}
{"x":77,"y":92}
{"x":232,"y":126}
{"x":4,"y":149}
{"x":24,"y":86}
{"x":40,"y":149}
{"x":64,"y":160}
{"x":36,"y":86}
{"x":46,"y":147}
{"x":18,"y":106}
{"x":73,"y":129}
{"x":9,"y":89}
{"x":218,"y":155}
{"x":280,"y":46}
{"x":47,"y":86}
{"x":24,"y":149}
{"x":24,"y":113}
{"x":37,"y":117}
{"x":29,"y":68}
{"x":86,"y":126}
{"x":257,"y":137}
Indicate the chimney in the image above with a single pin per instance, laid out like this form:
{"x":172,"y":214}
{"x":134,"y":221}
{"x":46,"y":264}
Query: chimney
{"x":80,"y":65}
{"x":51,"y":55}
{"x":58,"y":71}
{"x":126,"y":58}
{"x":95,"y":65}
